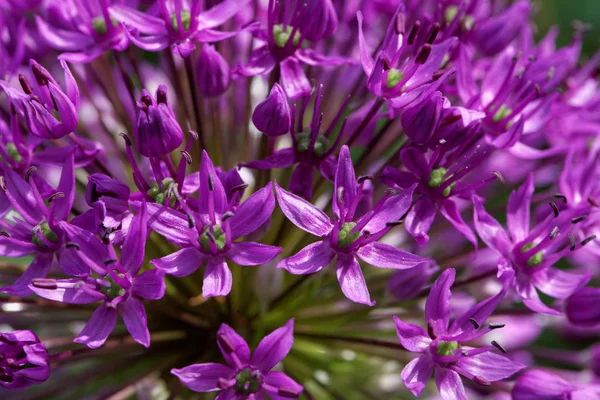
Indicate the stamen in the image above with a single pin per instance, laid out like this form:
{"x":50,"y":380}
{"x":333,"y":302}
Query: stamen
{"x":475,"y":323}
{"x":111,"y":261}
{"x":587,"y":240}
{"x":393,"y":223}
{"x":30,"y":171}
{"x":4,"y":233}
{"x":193,"y":134}
{"x":495,"y":325}
{"x":481,"y":380}
{"x":126,"y":138}
{"x":554,"y":232}
{"x":240,"y":187}
{"x":55,"y":196}
{"x":224,"y":383}
{"x":226,"y":216}
{"x":400,"y":25}
{"x":423,"y":54}
{"x":435,"y":29}
{"x":211,"y":183}
{"x":499,"y":176}
{"x":44,"y":283}
{"x":391,"y":192}
{"x":497,"y":345}
{"x":191,"y":222}
{"x":412,"y":35}
{"x":71,"y":245}
{"x":3,"y":184}
{"x":25,"y":84}
{"x":188,"y":157}
{"x":555,"y":209}
{"x":561,"y":196}
{"x":578,"y":219}
{"x":288,"y":393}
{"x":363,"y":178}
{"x":340,"y":195}
{"x":430,"y":331}
{"x":593,"y":202}
{"x":573,"y":244}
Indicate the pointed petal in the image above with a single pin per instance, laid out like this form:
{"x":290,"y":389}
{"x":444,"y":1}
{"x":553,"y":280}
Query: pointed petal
{"x":490,"y":366}
{"x":13,"y":248}
{"x":167,"y":222}
{"x":480,"y":313}
{"x":218,"y":14}
{"x":203,"y":377}
{"x":582,"y":308}
{"x":39,"y":268}
{"x":61,"y":39}
{"x":309,"y":260}
{"x":490,"y":231}
{"x":238,"y":344}
{"x":352,"y":280}
{"x":91,"y":251}
{"x":416,"y":374}
{"x":250,"y":253}
{"x":437,"y":307}
{"x":517,"y":214}
{"x":278,"y":159}
{"x":345,"y":187}
{"x":261,"y":62}
{"x":536,"y":384}
{"x":301,"y":181}
{"x":412,"y":337}
{"x":207,"y":171}
{"x":419,"y":220}
{"x":181,"y":263}
{"x":149,"y":284}
{"x":383,"y":255}
{"x":253,"y":212}
{"x":134,"y":318}
{"x":217,"y":278}
{"x":450,"y":385}
{"x":530,"y":297}
{"x":280,"y":380}
{"x":293,"y":79}
{"x":142,"y":22}
{"x":365,"y":55}
{"x":302,"y":213}
{"x":316,"y":59}
{"x":392,"y":210}
{"x":450,"y":211}
{"x":132,"y":254}
{"x":557,"y":283}
{"x":274,"y":347}
{"x":99,"y":327}
{"x":61,"y":207}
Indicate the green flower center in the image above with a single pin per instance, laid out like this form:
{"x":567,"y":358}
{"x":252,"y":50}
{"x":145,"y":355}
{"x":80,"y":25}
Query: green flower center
{"x":99,"y":25}
{"x":185,"y":20}
{"x":282,"y":37}
{"x":217,"y":237}
{"x":303,"y":143}
{"x":159,"y":196}
{"x":445,"y":349}
{"x":46,"y":232}
{"x":13,"y":152}
{"x":450,"y":13}
{"x":345,"y":238}
{"x":437,"y":177}
{"x":502,"y":113}
{"x":394,"y":77}
{"x":247,"y":381}
{"x":114,"y":290}
{"x":535,"y":259}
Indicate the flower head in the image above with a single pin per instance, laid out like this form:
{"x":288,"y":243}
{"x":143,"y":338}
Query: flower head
{"x":23,"y":360}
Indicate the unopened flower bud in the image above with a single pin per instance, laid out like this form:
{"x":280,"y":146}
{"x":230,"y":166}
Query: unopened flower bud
{"x":212,"y":72}
{"x":272,"y":115}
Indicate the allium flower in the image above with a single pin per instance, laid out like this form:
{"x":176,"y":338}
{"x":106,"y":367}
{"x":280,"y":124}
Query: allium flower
{"x":348,"y":235}
{"x":246,"y":377}
{"x":272,"y":115}
{"x":538,"y":384}
{"x":23,"y":360}
{"x":120,"y":290}
{"x":528,"y":255}
{"x":443,"y":346}
{"x":207,"y":233}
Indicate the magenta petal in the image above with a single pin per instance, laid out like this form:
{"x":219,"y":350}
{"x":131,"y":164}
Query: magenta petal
{"x":181,"y":263}
{"x":39,"y":268}
{"x":220,"y":13}
{"x":490,"y":366}
{"x":437,"y":307}
{"x":391,"y":211}
{"x":142,"y":22}
{"x":385,"y":256}
{"x":207,"y":172}
{"x":302,"y":213}
{"x":582,"y":308}
{"x":309,"y":260}
{"x":293,"y":79}
{"x":449,"y":384}
{"x":416,"y":373}
{"x":450,"y":211}
{"x":272,"y":115}
{"x":134,"y":317}
{"x":217,"y":278}
{"x":99,"y":327}
{"x":352,"y":281}
{"x":301,"y":181}
{"x":412,"y":337}
{"x":517,"y":213}
{"x":557,"y":283}
{"x":419,"y":220}
{"x":406,"y":284}
{"x":274,"y":347}
{"x":261,"y":62}
{"x":13,"y":248}
{"x":149,"y":285}
{"x":169,"y":223}
{"x":250,"y":253}
{"x":132,"y":254}
{"x":278,"y":159}
{"x":61,"y":207}
{"x":365,"y":54}
{"x":479,"y":313}
{"x":203,"y":377}
{"x":75,"y":295}
{"x":490,"y":231}
{"x":345,"y":187}
{"x":280,"y":380}
{"x":536,"y":384}
{"x":316,"y":59}
{"x":530,"y":297}
{"x":238,"y":344}
{"x":253,"y":212}
{"x":91,"y":250}
{"x":61,"y":39}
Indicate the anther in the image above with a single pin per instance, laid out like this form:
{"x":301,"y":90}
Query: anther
{"x":39,"y":75}
{"x":126,"y":138}
{"x":481,"y":380}
{"x":496,"y":325}
{"x":161,"y":96}
{"x":30,"y":171}
{"x":193,"y":134}
{"x":400,"y":25}
{"x":475,"y":323}
{"x":497,"y":345}
{"x":554,"y":232}
{"x":225,"y":343}
{"x":593,"y":202}
{"x":3,"y":184}
{"x":111,"y":261}
{"x":573,"y":244}
{"x":555,"y":209}
{"x":191,"y":222}
{"x":55,"y":196}
{"x":391,"y":191}
{"x":423,"y":54}
{"x":4,"y":233}
{"x":578,"y":219}
{"x":430,"y":331}
{"x":340,"y":195}
{"x":392,"y":224}
{"x":211,"y":183}
{"x":71,"y":245}
{"x":44,"y":283}
{"x":412,"y":35}
{"x":499,"y":176}
{"x":365,"y":178}
{"x":25,"y":84}
{"x":561,"y":196}
{"x":435,"y":29}
{"x":146,"y":100}
{"x":240,"y":187}
{"x":587,"y":240}
{"x":188,"y":157}
{"x":288,"y":393}
{"x":226,"y":216}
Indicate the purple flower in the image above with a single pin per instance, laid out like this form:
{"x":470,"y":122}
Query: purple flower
{"x":207,"y":233}
{"x":179,"y":24}
{"x":212,"y":72}
{"x":49,"y":111}
{"x":311,"y":149}
{"x":120,"y":291}
{"x":583,"y":307}
{"x":284,"y":36}
{"x":109,"y":198}
{"x":23,"y":360}
{"x":494,"y":34}
{"x":442,"y":346}
{"x":245,"y":376}
{"x":349,"y":235}
{"x":537,"y":384}
{"x":528,"y":255}
{"x":156,"y":132}
{"x":272,"y":115}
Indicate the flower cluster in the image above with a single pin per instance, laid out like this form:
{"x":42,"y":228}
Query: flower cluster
{"x":428,"y":168}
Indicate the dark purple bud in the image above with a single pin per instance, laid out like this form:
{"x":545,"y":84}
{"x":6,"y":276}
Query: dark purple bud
{"x":212,"y":72}
{"x":421,"y":120}
{"x":156,"y":131}
{"x":103,"y":186}
{"x":272,"y":115}
{"x":318,"y":20}
{"x":493,"y":35}
{"x":582,"y":307}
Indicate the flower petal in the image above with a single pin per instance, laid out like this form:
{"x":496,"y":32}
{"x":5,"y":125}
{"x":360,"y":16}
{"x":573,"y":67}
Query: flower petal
{"x":236,"y":342}
{"x":412,"y":337}
{"x":352,"y":280}
{"x":217,"y":278}
{"x":437,"y":307}
{"x":582,"y":308}
{"x":479,"y":313}
{"x":274,"y":347}
{"x":39,"y":268}
{"x":132,"y":254}
{"x":181,"y":263}
{"x":385,"y":256}
{"x":530,"y":297}
{"x":419,"y":220}
{"x":449,"y":384}
{"x":250,"y":253}
{"x":536,"y":384}
{"x":61,"y":207}
{"x":99,"y":327}
{"x":74,"y":295}
{"x":169,"y":223}
{"x":252,"y":213}
{"x":416,"y":374}
{"x":557,"y":283}
{"x":309,"y":260}
{"x":517,"y":213}
{"x":391,"y":211}
{"x":203,"y":377}
{"x":302,"y":213}
{"x":280,"y":380}
{"x":490,"y":231}
{"x":345,"y":186}
{"x":134,"y":318}
{"x":293,"y":79}
{"x":149,"y":284}
{"x":490,"y":366}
